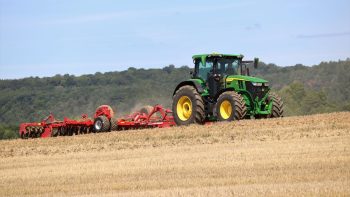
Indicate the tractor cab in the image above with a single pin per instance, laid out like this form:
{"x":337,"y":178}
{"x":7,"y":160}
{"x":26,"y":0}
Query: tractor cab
{"x":214,"y":68}
{"x":219,"y":65}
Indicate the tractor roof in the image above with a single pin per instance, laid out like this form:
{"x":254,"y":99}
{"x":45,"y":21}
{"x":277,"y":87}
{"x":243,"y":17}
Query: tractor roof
{"x":217,"y":55}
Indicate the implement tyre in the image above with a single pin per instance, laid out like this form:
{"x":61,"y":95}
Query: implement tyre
{"x":188,"y":106}
{"x":102,"y":124}
{"x":114,"y":124}
{"x":230,"y":106}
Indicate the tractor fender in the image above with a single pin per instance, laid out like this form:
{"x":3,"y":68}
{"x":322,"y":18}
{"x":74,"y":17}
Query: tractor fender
{"x":195,"y":84}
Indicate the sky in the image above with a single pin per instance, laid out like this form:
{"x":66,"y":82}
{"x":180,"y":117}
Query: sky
{"x":48,"y":37}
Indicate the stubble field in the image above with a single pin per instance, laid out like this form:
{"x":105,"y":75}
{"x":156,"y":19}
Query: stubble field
{"x":305,"y":155}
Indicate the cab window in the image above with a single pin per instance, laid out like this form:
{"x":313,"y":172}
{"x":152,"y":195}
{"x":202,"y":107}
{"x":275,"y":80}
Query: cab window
{"x":228,"y":66}
{"x":203,"y":69}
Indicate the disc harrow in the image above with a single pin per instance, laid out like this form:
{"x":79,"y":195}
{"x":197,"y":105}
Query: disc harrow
{"x":103,"y":121}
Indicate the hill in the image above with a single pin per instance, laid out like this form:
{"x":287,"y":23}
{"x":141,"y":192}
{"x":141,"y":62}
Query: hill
{"x":306,"y":90}
{"x":292,"y":156}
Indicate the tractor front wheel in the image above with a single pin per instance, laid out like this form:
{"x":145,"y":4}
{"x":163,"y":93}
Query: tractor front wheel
{"x":230,"y":106}
{"x":188,"y":106}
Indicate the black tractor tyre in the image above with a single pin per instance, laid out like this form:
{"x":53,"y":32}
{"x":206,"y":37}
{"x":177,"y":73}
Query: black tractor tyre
{"x":114,"y":124}
{"x":277,"y":105}
{"x":102,"y":124}
{"x":197,"y":114}
{"x":235,"y":105}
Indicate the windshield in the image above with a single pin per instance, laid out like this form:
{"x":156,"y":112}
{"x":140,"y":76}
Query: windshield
{"x":228,"y":66}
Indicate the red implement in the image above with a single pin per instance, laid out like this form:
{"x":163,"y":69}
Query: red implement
{"x":158,"y":117}
{"x":103,"y":119}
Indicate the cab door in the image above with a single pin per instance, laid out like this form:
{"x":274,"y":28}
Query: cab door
{"x":214,"y":77}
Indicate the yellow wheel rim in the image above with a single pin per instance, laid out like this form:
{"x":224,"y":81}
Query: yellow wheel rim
{"x":225,"y":109}
{"x":184,"y":108}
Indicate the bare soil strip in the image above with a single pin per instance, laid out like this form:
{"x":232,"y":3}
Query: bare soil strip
{"x":308,"y":155}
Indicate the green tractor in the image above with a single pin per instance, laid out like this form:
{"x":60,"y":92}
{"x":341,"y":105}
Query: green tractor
{"x":221,"y":89}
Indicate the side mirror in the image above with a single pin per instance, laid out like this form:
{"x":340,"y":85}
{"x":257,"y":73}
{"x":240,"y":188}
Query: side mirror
{"x":256,"y":62}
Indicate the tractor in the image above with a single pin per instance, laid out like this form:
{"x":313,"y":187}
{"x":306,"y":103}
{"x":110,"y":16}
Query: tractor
{"x":221,"y":89}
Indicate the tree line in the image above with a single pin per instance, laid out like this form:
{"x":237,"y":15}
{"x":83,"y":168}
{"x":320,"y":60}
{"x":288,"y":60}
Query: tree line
{"x":306,"y":90}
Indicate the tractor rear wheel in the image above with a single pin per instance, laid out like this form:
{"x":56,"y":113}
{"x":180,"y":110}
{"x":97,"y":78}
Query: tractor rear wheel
{"x":188,"y":106}
{"x":230,"y":106}
{"x":102,"y":124}
{"x":277,"y":105}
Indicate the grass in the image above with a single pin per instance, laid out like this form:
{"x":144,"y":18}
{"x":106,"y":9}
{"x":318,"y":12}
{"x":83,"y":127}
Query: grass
{"x":307,"y":155}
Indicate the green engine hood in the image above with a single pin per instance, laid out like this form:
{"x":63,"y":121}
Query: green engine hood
{"x":246,"y":78}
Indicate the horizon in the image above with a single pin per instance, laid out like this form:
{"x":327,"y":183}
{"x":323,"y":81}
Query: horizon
{"x":46,"y":38}
{"x":148,"y":68}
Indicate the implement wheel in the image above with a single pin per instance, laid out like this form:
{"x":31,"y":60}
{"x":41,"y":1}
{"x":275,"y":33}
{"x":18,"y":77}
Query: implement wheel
{"x":230,"y":106}
{"x":102,"y":124}
{"x":114,"y":124}
{"x":188,"y":106}
{"x":277,"y":105}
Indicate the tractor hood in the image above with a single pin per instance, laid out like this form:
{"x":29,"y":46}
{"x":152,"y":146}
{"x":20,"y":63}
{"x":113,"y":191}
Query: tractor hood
{"x":245,"y":78}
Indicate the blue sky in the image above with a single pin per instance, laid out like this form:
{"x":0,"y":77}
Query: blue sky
{"x":48,"y":37}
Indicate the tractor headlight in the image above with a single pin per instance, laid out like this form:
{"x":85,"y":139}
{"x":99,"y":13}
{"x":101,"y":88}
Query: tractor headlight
{"x":257,"y":84}
{"x":266,"y":84}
